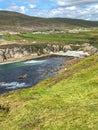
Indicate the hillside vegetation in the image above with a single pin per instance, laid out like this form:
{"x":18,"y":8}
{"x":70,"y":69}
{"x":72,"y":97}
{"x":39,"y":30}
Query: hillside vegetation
{"x":59,"y":38}
{"x":68,"y":101}
{"x":13,"y":21}
{"x":67,"y":38}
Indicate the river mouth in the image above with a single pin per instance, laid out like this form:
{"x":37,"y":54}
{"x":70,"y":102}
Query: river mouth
{"x":26,"y":74}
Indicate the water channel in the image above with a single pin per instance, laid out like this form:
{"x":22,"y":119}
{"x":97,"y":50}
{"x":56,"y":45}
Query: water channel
{"x":33,"y":71}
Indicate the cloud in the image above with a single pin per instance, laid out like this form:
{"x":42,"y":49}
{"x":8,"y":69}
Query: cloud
{"x":13,"y":7}
{"x":32,"y":6}
{"x":79,"y":9}
{"x":71,"y":8}
{"x":22,"y":9}
{"x":77,"y":12}
{"x":64,"y":2}
{"x":30,"y":1}
{"x":74,"y":2}
{"x":84,"y":9}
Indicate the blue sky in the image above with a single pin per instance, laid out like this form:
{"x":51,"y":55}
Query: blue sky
{"x":79,"y":9}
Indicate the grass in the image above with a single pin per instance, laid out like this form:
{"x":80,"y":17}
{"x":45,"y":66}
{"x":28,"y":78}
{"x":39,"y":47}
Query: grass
{"x":67,"y":38}
{"x":55,"y":38}
{"x":69,"y":103}
{"x":9,"y":37}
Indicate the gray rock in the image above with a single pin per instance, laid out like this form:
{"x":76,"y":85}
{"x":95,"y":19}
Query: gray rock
{"x":67,"y":48}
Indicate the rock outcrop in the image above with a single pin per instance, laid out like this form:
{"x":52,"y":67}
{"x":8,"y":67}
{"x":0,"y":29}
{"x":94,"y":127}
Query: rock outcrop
{"x":16,"y":52}
{"x":89,"y":49}
{"x":19,"y":51}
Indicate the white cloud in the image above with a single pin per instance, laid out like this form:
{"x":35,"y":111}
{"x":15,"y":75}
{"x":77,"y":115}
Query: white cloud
{"x":71,"y":8}
{"x":74,"y":2}
{"x":22,"y":9}
{"x":95,"y":6}
{"x":89,"y":13}
{"x":76,"y":12}
{"x":13,"y":7}
{"x":81,"y":9}
{"x":30,"y":1}
{"x":32,"y":6}
{"x":61,"y":3}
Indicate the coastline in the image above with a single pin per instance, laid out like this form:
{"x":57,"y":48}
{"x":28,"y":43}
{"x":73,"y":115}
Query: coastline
{"x":31,"y":57}
{"x":75,"y":54}
{"x":11,"y":60}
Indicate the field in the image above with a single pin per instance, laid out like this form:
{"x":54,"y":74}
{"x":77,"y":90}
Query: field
{"x":66,"y":38}
{"x":68,"y":101}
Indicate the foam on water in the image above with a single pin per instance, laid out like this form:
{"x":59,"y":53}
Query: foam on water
{"x":25,"y":62}
{"x":3,"y":63}
{"x":14,"y":85}
{"x":35,"y":62}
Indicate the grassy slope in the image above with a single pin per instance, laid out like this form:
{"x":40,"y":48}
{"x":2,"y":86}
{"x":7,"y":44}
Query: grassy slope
{"x":70,"y":104}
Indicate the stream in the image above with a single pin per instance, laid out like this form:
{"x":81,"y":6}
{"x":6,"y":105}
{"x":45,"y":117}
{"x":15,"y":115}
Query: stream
{"x":26,"y":74}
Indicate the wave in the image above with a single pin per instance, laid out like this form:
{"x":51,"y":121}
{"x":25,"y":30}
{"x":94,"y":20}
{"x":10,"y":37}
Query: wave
{"x":14,"y":85}
{"x":25,"y":62}
{"x":3,"y":63}
{"x":35,"y":61}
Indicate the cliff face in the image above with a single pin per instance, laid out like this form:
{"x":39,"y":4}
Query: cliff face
{"x":18,"y":51}
{"x":15,"y":52}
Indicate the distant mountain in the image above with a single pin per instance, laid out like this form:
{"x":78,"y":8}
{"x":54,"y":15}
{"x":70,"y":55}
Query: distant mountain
{"x":14,"y":21}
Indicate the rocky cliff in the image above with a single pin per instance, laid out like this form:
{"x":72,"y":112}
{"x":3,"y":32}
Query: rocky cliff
{"x":18,"y":51}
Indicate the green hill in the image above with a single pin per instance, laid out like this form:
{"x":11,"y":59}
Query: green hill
{"x":68,"y":101}
{"x":14,"y":21}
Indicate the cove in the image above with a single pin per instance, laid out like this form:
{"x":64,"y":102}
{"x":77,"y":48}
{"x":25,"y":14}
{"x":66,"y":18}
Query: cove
{"x":35,"y":71}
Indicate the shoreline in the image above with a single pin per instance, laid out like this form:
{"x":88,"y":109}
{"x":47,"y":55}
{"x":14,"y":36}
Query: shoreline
{"x":63,"y":67}
{"x":11,"y":60}
{"x":30,"y":57}
{"x":78,"y":54}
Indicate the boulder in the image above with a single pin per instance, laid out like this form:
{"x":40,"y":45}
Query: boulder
{"x":90,"y":49}
{"x":22,"y":76}
{"x":45,"y":51}
{"x":67,"y":48}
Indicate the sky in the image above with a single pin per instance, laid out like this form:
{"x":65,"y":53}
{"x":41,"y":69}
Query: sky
{"x":78,"y":9}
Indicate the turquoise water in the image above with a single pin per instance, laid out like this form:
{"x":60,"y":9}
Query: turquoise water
{"x":36,"y":70}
